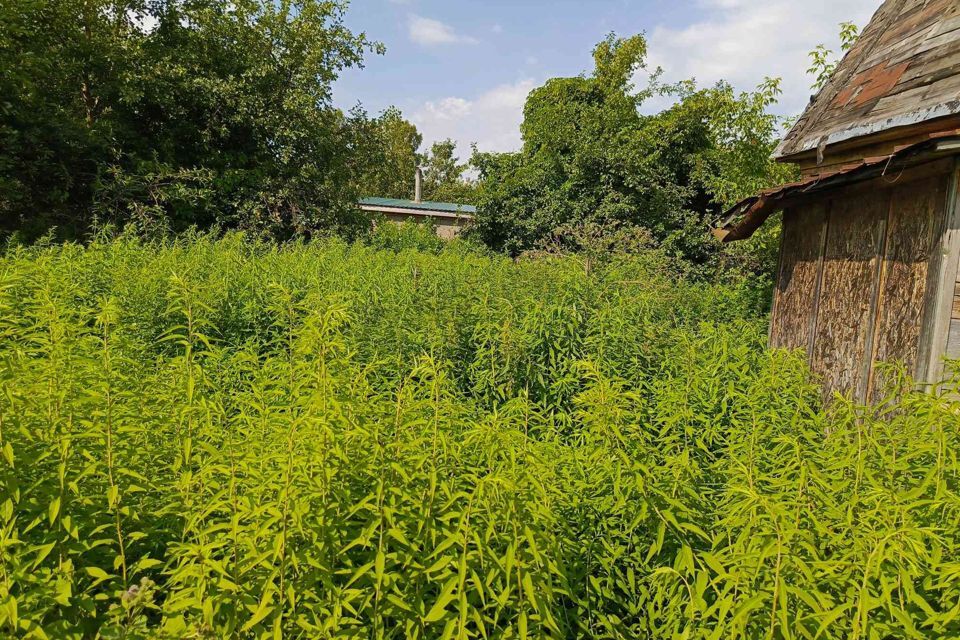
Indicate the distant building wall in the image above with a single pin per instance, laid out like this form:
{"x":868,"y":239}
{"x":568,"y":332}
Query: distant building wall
{"x":447,"y":228}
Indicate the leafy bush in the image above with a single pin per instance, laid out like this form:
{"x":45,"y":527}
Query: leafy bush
{"x":590,"y":157}
{"x":418,"y":236}
{"x":175,"y":114}
{"x":222,"y":438}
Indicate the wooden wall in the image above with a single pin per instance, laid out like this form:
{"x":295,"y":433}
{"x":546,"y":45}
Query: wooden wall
{"x":953,"y":335}
{"x":859,"y":278}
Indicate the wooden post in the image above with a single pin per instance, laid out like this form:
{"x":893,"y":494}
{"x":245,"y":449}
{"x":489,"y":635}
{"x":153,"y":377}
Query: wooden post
{"x":942,"y":287}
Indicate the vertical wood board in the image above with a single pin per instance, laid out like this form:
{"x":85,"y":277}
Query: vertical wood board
{"x":915,"y":217}
{"x":938,"y":326}
{"x":844,"y":329}
{"x":798,"y":277}
{"x":953,"y":341}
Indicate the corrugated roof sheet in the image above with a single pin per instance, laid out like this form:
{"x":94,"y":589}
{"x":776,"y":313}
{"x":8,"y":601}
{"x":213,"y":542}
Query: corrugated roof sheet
{"x":904,"y":70}
{"x":441,"y":207}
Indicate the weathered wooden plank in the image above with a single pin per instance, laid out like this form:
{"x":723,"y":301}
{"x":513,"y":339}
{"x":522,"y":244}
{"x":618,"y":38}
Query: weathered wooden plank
{"x":898,"y":75}
{"x":953,"y":341}
{"x":844,"y":325}
{"x":916,"y":214}
{"x":949,"y":25}
{"x":927,"y":64}
{"x":942,"y":288}
{"x":901,"y":36}
{"x":798,"y":278}
{"x":898,"y":103}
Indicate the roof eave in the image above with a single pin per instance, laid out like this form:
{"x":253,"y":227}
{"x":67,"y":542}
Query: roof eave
{"x":423,"y":213}
{"x":747,"y":216}
{"x":790,"y":151}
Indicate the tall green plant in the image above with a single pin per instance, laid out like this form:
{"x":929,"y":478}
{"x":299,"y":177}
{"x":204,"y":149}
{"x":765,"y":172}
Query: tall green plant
{"x":225,"y":438}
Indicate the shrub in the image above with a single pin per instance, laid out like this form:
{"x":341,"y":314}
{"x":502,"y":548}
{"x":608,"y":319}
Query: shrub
{"x":223,"y":438}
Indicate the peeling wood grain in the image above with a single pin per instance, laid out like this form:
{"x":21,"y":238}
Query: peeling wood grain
{"x":804,"y":232}
{"x":953,"y":341}
{"x":844,"y":326}
{"x":941,"y":288}
{"x":916,"y":214}
{"x":900,"y":74}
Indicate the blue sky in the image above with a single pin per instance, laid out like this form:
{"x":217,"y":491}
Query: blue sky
{"x":462,"y":68}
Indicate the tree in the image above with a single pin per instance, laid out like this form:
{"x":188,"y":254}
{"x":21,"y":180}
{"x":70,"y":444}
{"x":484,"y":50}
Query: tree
{"x":391,"y":156}
{"x":182,"y":113}
{"x":567,"y":171}
{"x":60,"y":61}
{"x":590,"y":158}
{"x":443,"y":175}
{"x":822,"y":62}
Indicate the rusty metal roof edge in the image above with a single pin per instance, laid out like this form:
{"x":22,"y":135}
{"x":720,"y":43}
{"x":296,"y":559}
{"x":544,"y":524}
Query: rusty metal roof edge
{"x":743,"y":219}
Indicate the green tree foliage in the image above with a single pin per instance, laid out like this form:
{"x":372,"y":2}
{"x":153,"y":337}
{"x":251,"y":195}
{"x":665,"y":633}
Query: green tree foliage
{"x":822,"y":62}
{"x":226,"y":439}
{"x":444,"y":177}
{"x":389,"y":152}
{"x":176,"y":113}
{"x":590,"y":156}
{"x":392,"y":158}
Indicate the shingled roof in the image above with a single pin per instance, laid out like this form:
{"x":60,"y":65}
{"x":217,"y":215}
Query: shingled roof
{"x":903,"y":71}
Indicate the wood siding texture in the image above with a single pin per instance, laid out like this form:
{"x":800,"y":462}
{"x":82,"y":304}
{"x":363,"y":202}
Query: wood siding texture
{"x":916,"y":215}
{"x":953,"y":339}
{"x":850,"y":266}
{"x":855,"y":281}
{"x":953,"y":342}
{"x":799,"y":277}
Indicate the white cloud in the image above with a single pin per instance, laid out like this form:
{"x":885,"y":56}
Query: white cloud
{"x":430,"y":32}
{"x":742,"y":41}
{"x":491,"y":119}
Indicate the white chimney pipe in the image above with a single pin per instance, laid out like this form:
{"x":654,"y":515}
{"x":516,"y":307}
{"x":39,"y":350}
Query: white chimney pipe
{"x":418,"y":186}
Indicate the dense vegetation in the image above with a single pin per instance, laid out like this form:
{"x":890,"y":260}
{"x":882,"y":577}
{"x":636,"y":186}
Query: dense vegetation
{"x":168,"y":114}
{"x":388,"y":436}
{"x":230,"y":439}
{"x":171,"y":114}
{"x":590,"y":157}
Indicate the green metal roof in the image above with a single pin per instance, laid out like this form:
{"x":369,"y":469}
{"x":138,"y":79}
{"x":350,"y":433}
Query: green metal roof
{"x":442,"y":207}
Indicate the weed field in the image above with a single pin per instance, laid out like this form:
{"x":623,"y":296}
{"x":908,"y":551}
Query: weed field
{"x":218,"y":438}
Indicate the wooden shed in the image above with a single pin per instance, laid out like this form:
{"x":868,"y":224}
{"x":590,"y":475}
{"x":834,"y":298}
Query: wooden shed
{"x":870,"y":250}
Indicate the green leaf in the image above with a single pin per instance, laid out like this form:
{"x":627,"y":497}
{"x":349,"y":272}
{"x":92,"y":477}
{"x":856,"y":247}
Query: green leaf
{"x":98,"y":574}
{"x":113,"y":495}
{"x":53,"y":510}
{"x":446,"y":596}
{"x":379,"y":563}
{"x":10,"y":611}
{"x":263,"y":610}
